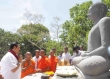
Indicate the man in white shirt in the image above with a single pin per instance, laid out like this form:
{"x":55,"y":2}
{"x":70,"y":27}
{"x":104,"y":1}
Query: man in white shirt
{"x":11,"y":63}
{"x":36,"y":58}
{"x":66,"y":55}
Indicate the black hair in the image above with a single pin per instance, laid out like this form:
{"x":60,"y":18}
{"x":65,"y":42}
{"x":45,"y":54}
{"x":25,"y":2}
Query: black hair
{"x":13,"y":44}
{"x":74,"y":48}
{"x":77,"y":47}
{"x":66,"y":48}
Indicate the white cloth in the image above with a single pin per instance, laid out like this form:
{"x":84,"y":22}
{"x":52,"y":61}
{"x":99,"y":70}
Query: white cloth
{"x":8,"y":63}
{"x":36,"y":61}
{"x":76,"y":54}
{"x":66,"y":56}
{"x":60,"y":57}
{"x":81,"y":51}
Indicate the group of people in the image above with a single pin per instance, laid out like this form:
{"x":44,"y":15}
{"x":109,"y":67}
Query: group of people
{"x":67,"y":56}
{"x":42,"y":63}
{"x":94,"y":65}
{"x":39,"y":63}
{"x":13,"y":66}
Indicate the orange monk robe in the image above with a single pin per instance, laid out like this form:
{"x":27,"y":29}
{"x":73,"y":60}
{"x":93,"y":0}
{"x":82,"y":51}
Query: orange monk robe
{"x":53,"y":63}
{"x":43,"y":63}
{"x":29,"y":70}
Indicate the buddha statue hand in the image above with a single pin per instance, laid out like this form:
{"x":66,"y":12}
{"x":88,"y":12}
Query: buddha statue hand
{"x":86,"y":54}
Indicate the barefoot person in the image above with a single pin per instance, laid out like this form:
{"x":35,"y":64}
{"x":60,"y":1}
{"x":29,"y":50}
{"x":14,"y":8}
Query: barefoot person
{"x":96,"y":63}
{"x":11,"y":63}
{"x":28,"y":65}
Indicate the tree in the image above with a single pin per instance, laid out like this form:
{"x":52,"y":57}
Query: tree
{"x":64,"y":33}
{"x":76,"y":29}
{"x":6,"y":38}
{"x":33,"y":36}
{"x":53,"y":44}
{"x":56,"y":28}
{"x":107,"y":2}
{"x":31,"y":18}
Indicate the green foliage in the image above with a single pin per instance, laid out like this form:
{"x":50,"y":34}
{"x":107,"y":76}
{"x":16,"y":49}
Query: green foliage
{"x":33,"y":36}
{"x":6,"y":38}
{"x":64,"y":34}
{"x":36,"y":36}
{"x":107,"y":2}
{"x":75,"y":30}
{"x":53,"y":44}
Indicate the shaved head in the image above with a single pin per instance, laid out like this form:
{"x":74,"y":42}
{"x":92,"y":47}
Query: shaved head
{"x":36,"y":50}
{"x":52,"y":52}
{"x":28,"y":55}
{"x":42,"y":53}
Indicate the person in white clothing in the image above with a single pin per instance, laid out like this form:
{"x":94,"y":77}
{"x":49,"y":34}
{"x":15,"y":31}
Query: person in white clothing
{"x":66,"y":55}
{"x":81,"y":50}
{"x":76,"y":52}
{"x":36,"y":58}
{"x":60,"y":55}
{"x":11,"y":62}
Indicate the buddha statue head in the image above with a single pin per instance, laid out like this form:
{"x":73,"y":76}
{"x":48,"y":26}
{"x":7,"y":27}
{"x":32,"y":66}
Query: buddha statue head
{"x":97,"y":11}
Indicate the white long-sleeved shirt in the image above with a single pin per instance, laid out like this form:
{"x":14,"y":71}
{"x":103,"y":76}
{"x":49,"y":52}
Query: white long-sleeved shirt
{"x":66,"y":56}
{"x":36,"y":61}
{"x":9,"y":62}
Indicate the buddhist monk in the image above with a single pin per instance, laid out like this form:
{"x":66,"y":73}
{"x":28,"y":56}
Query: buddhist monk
{"x":53,"y":60}
{"x":96,"y":63}
{"x":28,"y":65}
{"x":43,"y":63}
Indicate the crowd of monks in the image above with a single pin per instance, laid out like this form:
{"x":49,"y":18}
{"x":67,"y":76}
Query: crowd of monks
{"x":39,"y":63}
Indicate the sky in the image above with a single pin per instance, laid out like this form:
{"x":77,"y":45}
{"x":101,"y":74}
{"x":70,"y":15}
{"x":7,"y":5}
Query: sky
{"x":12,"y":11}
